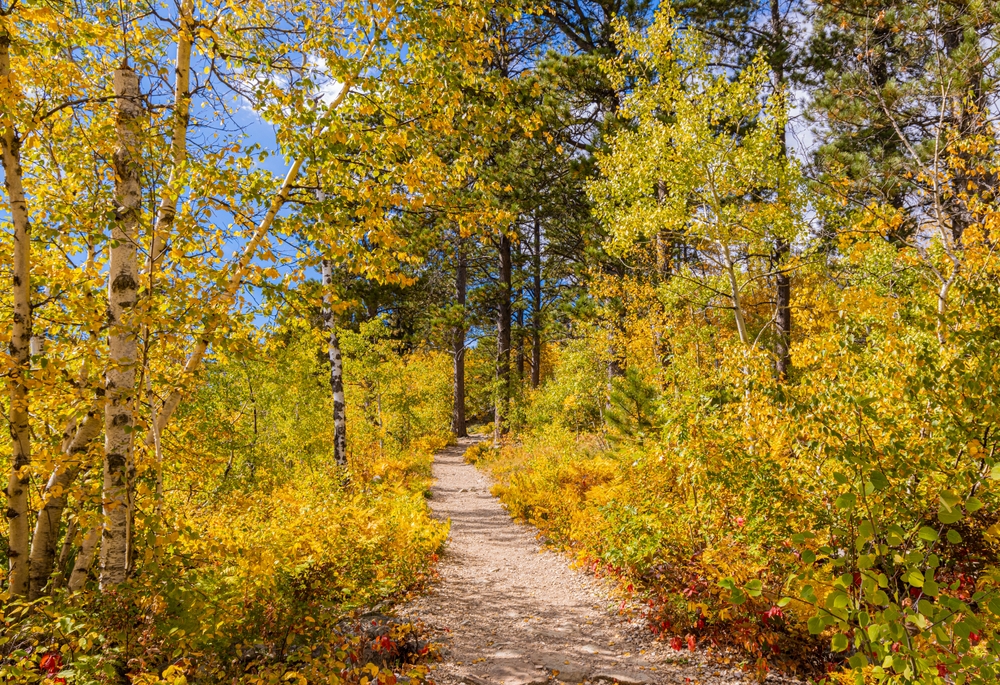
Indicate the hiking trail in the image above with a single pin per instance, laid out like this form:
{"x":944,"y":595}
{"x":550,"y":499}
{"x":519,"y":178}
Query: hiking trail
{"x":510,"y":612}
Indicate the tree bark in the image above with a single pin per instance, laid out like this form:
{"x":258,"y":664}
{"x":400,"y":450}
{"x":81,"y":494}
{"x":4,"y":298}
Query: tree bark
{"x":783,"y":284}
{"x":46,"y":535}
{"x":84,"y":559}
{"x":60,"y":577}
{"x":336,"y":369}
{"x":20,"y":338}
{"x":536,"y":305}
{"x":519,"y":333}
{"x":734,"y":290}
{"x":783,"y":313}
{"x":663,"y":242}
{"x":458,"y":344}
{"x":122,"y":343}
{"x":167,"y":209}
{"x":503,"y":340}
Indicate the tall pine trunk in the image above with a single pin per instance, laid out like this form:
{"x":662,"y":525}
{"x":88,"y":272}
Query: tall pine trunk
{"x":783,"y":284}
{"x":20,"y":337}
{"x":519,"y":316}
{"x":536,"y":305}
{"x":336,"y":369}
{"x":122,"y":345}
{"x":503,"y":340}
{"x":458,"y":344}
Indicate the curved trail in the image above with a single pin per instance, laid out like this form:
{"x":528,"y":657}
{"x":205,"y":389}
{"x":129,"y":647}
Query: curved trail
{"x":510,"y":612}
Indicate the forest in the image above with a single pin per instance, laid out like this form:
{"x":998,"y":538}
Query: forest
{"x":713,"y":281}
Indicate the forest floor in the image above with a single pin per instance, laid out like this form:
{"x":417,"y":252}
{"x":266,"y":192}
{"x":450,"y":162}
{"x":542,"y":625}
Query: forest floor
{"x":509,"y":611}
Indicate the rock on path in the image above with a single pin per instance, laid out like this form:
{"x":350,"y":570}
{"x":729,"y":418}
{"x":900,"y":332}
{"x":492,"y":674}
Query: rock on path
{"x":510,"y":612}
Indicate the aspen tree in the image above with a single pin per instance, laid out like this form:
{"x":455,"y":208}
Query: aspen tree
{"x":43,"y":542}
{"x":20,"y":339}
{"x":180,"y":121}
{"x":120,"y":375}
{"x":44,"y":539}
{"x":239,"y":270}
{"x":709,"y":163}
{"x":336,"y":369}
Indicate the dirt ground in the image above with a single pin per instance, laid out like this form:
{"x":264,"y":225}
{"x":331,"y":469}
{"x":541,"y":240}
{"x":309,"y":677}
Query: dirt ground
{"x":511,"y":612}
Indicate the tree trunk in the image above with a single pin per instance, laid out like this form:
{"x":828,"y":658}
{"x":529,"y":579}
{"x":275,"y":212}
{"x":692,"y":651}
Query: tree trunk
{"x":783,"y":285}
{"x":458,"y":345}
{"x":122,"y":346}
{"x":663,"y":242}
{"x":519,"y":333}
{"x":536,"y":306}
{"x":734,"y":295}
{"x":20,"y":339}
{"x":336,"y":369}
{"x":783,"y":313}
{"x":60,"y":577}
{"x":84,"y":559}
{"x":503,"y":340}
{"x":46,"y":536}
{"x":167,"y":209}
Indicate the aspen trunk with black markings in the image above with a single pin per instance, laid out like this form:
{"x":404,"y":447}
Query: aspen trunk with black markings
{"x":119,"y":377}
{"x":20,"y":337}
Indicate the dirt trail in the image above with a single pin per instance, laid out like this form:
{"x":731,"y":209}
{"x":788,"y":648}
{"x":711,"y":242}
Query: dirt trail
{"x":514,"y":613}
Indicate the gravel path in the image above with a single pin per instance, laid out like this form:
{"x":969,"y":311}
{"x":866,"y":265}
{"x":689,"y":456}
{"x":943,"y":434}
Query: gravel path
{"x":511,"y":612}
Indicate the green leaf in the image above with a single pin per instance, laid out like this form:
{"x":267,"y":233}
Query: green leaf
{"x":973,"y":504}
{"x":949,"y":499}
{"x":815,"y":625}
{"x":839,"y":642}
{"x":915,"y":578}
{"x":846,"y":501}
{"x":929,"y":534}
{"x":954,"y":537}
{"x":879,"y":481}
{"x":754,"y":588}
{"x":949,"y":516}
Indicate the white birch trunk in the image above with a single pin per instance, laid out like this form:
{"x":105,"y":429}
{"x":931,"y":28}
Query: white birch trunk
{"x":46,"y":535}
{"x":84,"y":560}
{"x":734,"y":286}
{"x":59,"y":578}
{"x":20,"y":338}
{"x":336,"y":370}
{"x":122,"y":347}
{"x":167,"y":209}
